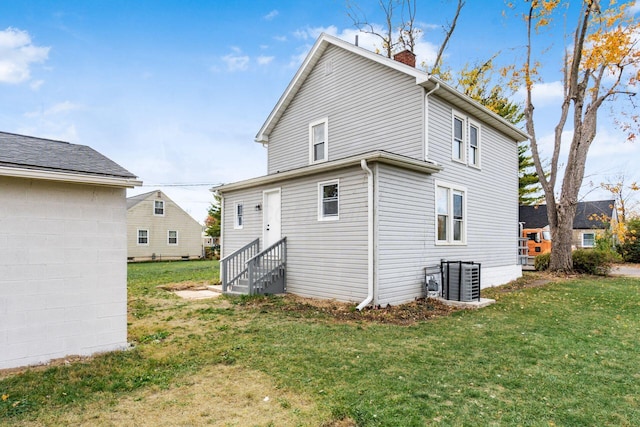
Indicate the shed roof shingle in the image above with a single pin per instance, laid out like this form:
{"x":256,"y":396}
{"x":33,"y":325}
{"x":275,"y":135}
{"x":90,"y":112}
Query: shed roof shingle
{"x":27,"y":152}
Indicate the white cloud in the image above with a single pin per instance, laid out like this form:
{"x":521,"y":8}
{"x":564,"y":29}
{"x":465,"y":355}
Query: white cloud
{"x":280,"y":38}
{"x":236,"y":62}
{"x":35,"y":85}
{"x":635,"y":8}
{"x":543,"y":93}
{"x":17,"y":54}
{"x":56,"y":109}
{"x":264,"y":60}
{"x":269,"y":16}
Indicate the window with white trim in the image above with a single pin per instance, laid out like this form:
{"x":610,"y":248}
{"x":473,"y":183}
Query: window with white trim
{"x":172,"y":237}
{"x":458,"y":144}
{"x":451,"y":218}
{"x":465,"y":141}
{"x":158,"y":207}
{"x":328,"y":200}
{"x":474,"y":144}
{"x":588,"y":240}
{"x":143,"y":237}
{"x":238,"y":216}
{"x":318,"y":141}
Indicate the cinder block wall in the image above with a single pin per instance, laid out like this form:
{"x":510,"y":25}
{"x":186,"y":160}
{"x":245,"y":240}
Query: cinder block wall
{"x":63,"y":273}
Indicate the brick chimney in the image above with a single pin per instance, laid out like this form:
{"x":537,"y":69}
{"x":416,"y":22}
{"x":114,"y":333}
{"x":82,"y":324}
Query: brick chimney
{"x":406,"y":57}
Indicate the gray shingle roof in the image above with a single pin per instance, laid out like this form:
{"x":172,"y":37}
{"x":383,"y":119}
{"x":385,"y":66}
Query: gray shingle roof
{"x":134,"y":200}
{"x":28,"y":152}
{"x":588,"y":215}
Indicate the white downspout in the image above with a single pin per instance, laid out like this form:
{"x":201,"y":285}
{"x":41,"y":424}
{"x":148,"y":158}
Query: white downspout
{"x":363,"y":304}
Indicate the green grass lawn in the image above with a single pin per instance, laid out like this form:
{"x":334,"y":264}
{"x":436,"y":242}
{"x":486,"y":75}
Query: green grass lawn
{"x":564,"y":354}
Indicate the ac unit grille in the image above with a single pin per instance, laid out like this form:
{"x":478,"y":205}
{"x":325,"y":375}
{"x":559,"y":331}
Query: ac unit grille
{"x":461,"y":280}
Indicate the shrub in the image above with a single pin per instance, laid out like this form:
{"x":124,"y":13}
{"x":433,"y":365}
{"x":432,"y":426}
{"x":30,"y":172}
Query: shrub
{"x":630,"y":249}
{"x":586,"y":261}
{"x":592,"y":261}
{"x":541,"y":262}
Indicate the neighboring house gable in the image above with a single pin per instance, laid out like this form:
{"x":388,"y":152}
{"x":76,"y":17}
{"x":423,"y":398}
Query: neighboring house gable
{"x":158,"y":229}
{"x":360,"y":149}
{"x":63,"y":274}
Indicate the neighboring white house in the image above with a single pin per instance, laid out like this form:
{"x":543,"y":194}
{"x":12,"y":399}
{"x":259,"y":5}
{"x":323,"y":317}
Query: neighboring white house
{"x":63,"y":272}
{"x":376,"y":170}
{"x":158,"y":229}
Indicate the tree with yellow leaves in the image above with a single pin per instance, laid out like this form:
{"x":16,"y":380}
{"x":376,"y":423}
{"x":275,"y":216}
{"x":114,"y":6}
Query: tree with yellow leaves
{"x":601,"y":64}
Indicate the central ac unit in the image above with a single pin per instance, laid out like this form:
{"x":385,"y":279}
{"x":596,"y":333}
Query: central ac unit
{"x":461,"y":281}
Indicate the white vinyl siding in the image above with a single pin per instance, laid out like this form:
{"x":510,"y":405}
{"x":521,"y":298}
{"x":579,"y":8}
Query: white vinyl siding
{"x":158,"y":207}
{"x":328,"y":201}
{"x":143,"y":237}
{"x":324,"y":259}
{"x":238,"y":222}
{"x":384,"y":111}
{"x":319,"y":141}
{"x":172,"y":237}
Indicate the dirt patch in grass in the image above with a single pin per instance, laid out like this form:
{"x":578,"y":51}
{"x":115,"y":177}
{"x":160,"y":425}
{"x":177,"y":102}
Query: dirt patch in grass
{"x":405,"y":314}
{"x":219,"y":395}
{"x":183,"y":286}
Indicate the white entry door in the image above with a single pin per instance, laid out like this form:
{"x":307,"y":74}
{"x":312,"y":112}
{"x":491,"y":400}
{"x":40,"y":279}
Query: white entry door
{"x":271,"y":217}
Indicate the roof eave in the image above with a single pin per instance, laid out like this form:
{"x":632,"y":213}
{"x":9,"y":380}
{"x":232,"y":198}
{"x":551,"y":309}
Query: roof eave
{"x":374,"y":156}
{"x":75,"y":178}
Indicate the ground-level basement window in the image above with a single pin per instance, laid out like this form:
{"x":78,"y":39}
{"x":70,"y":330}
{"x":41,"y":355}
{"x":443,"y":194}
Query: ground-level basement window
{"x":143,"y":237}
{"x":172,"y":237}
{"x":328,"y":200}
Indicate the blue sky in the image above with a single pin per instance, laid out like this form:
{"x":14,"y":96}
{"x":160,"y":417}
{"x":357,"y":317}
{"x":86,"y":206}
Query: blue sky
{"x":175,"y":91}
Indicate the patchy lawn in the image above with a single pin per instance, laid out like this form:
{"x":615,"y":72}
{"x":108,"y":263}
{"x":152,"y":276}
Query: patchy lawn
{"x":558,"y":353}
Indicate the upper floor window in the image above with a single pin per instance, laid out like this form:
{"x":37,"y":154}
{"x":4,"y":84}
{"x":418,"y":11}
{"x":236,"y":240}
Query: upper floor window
{"x":158,"y":207}
{"x":457,"y":149}
{"x":238,"y":221}
{"x":318,"y":141}
{"x":143,"y":237}
{"x":451,"y":215}
{"x":328,"y":200}
{"x":465,"y":144}
{"x":172,"y":237}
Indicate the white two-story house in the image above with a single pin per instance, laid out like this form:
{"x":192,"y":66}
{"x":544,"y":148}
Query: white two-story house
{"x":376,"y":170}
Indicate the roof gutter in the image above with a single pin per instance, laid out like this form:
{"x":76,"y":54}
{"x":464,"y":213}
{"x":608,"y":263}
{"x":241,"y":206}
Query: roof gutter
{"x":74,"y":178}
{"x":370,"y":230}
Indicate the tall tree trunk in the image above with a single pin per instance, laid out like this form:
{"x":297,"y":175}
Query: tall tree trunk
{"x":562,"y":236}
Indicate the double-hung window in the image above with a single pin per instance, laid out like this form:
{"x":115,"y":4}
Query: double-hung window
{"x":451,"y":216}
{"x":474,"y":144}
{"x":588,"y":240}
{"x":143,"y":237}
{"x":465,"y":142}
{"x":328,"y":201}
{"x":458,"y":147}
{"x":238,"y":220}
{"x":172,"y":237}
{"x":158,"y":207}
{"x":318,"y":141}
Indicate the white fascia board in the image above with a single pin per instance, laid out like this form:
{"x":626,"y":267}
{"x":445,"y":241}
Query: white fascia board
{"x":469,"y":105}
{"x":108,"y":181}
{"x":374,"y":156}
